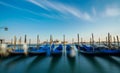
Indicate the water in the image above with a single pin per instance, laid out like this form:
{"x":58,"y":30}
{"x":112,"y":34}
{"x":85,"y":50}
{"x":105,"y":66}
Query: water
{"x":63,"y":64}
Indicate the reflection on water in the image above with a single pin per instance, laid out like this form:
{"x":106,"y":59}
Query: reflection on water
{"x":54,"y":62}
{"x":60,"y":64}
{"x":71,"y":61}
{"x":35,"y":61}
{"x":95,"y":65}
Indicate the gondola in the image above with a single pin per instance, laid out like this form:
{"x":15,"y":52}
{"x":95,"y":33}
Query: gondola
{"x":70,"y":51}
{"x":42,"y":50}
{"x":16,"y":52}
{"x":57,"y":51}
{"x":79,"y":47}
{"x":99,"y":51}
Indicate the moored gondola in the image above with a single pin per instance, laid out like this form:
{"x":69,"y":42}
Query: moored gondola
{"x":57,"y":51}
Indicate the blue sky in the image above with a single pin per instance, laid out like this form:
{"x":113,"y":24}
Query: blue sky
{"x":58,"y":17}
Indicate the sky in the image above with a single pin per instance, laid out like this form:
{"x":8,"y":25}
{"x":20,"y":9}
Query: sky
{"x":59,"y":17}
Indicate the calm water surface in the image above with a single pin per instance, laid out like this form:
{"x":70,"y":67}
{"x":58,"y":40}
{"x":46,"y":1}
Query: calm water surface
{"x":63,"y":64}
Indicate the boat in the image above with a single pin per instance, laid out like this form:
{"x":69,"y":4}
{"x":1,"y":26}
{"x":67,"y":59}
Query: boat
{"x":42,"y":50}
{"x":70,"y":51}
{"x":39,"y":50}
{"x":57,"y":51}
{"x":89,"y":50}
{"x":94,"y":50}
{"x":79,"y":47}
{"x":99,"y":51}
{"x":17,"y":52}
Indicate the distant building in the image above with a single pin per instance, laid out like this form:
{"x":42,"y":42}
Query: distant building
{"x":64,"y":42}
{"x":45,"y":42}
{"x":56,"y":41}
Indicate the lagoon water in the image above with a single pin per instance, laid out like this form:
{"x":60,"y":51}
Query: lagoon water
{"x":63,"y":64}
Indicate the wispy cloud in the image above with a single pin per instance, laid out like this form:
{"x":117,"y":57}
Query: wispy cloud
{"x":62,"y":8}
{"x":94,"y":11}
{"x":8,"y":5}
{"x":18,"y":8}
{"x":39,"y":4}
{"x":111,"y":11}
{"x":29,"y":11}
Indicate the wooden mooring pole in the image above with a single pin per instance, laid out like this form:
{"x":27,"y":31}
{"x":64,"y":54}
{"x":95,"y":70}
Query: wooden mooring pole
{"x":38,"y":41}
{"x":117,"y":41}
{"x":78,"y":39}
{"x":20,"y":39}
{"x":99,"y":41}
{"x":25,"y":40}
{"x":109,"y":41}
{"x":51,"y":41}
{"x":15,"y":40}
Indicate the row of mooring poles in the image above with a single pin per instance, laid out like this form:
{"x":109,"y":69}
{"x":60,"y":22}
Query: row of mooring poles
{"x":78,"y":40}
{"x":19,"y":43}
{"x":112,"y":43}
{"x":109,"y":41}
{"x":116,"y":42}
